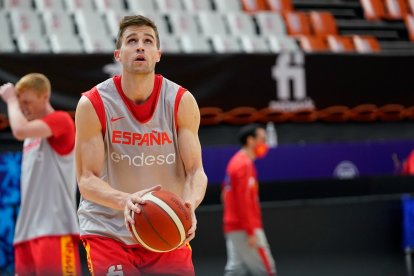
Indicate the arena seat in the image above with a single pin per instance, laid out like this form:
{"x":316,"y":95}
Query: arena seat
{"x":280,"y":5}
{"x":391,"y":112}
{"x":240,"y":23}
{"x":32,"y":43}
{"x":366,"y":44}
{"x":112,"y":18}
{"x":228,"y":5}
{"x":212,"y":23}
{"x":47,"y":5}
{"x":254,"y":44}
{"x":340,"y":44}
{"x":211,"y":115}
{"x":169,"y":44}
{"x":270,"y":23}
{"x":57,"y":21}
{"x":396,"y":9}
{"x":90,"y":23}
{"x":312,"y":43}
{"x":104,"y":5}
{"x":160,"y":20}
{"x":282,"y":43}
{"x":252,"y":6}
{"x":94,"y":43}
{"x":303,"y":116}
{"x":194,"y":44}
{"x":273,"y":115}
{"x":25,"y":22}
{"x":183,"y":23}
{"x":297,"y":23}
{"x":373,"y":9}
{"x":241,"y":115}
{"x":141,"y":6}
{"x":323,"y":23}
{"x":334,"y":114}
{"x":364,"y":113}
{"x":409,"y":22}
{"x":226,"y":44}
{"x":167,"y":6}
{"x":65,"y":43}
{"x":75,"y":5}
{"x":197,"y":5}
{"x":17,"y":5}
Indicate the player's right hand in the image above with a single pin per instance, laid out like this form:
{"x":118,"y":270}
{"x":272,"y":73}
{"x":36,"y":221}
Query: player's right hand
{"x":133,"y":202}
{"x":7,"y":92}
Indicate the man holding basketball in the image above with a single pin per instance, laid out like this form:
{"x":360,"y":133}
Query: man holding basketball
{"x":47,"y":233}
{"x":247,"y":248}
{"x":136,"y":133}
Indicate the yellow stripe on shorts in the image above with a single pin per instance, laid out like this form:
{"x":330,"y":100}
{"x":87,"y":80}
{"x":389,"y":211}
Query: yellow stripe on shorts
{"x":88,"y":256}
{"x":67,"y":250}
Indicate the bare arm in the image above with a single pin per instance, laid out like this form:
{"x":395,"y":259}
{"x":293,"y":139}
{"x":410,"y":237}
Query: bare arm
{"x":190,"y":149}
{"x":89,"y":154}
{"x":20,"y":126}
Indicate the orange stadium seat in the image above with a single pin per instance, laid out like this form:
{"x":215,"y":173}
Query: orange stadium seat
{"x":280,"y":5}
{"x":396,"y":9}
{"x":334,"y":114}
{"x":373,"y":9}
{"x":254,"y":5}
{"x":297,"y":23}
{"x":364,"y":113}
{"x":242,"y":115}
{"x":391,"y":112}
{"x":211,"y":115}
{"x":366,"y":44}
{"x":340,"y":44}
{"x":312,"y":43}
{"x":272,"y":115}
{"x":323,"y":23}
{"x":409,"y":22}
{"x":411,"y":6}
{"x":303,"y":116}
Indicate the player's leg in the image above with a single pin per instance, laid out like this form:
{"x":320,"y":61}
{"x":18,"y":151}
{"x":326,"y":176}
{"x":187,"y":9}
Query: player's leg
{"x":260,"y":261}
{"x":176,"y":262}
{"x":57,"y":255}
{"x":23,"y":259}
{"x":236,"y":245}
{"x":108,"y":257}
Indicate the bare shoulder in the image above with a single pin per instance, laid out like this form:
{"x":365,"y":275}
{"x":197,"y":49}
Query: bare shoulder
{"x":86,"y":115}
{"x":188,"y":112}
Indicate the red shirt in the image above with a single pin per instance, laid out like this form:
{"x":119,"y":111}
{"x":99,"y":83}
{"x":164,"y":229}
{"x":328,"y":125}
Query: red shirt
{"x":241,"y":196}
{"x":408,"y":167}
{"x":63,"y":130}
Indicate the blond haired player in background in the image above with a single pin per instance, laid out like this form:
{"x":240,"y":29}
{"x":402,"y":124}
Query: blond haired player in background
{"x":47,"y":232}
{"x":135,"y":132}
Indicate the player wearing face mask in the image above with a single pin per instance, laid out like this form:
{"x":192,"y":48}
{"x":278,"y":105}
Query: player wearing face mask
{"x":247,"y":247}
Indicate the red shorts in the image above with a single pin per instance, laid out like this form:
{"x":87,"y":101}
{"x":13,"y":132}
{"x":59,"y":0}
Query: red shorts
{"x":55,"y":255}
{"x":109,"y":257}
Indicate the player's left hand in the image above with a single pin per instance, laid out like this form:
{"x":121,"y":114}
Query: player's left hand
{"x":191,"y":231}
{"x":7,"y":92}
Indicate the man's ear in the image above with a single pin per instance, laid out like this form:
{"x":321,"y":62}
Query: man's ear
{"x":159,"y":56}
{"x":117,"y":54}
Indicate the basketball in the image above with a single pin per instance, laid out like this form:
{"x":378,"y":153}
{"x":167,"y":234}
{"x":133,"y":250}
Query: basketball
{"x":163,"y":223}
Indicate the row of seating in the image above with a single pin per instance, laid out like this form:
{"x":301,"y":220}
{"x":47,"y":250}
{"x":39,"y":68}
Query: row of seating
{"x":335,"y":114}
{"x":376,"y":10}
{"x":149,"y":5}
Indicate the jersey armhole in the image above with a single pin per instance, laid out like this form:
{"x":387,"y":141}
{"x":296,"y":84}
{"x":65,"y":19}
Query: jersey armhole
{"x":97,"y":103}
{"x":178,"y":97}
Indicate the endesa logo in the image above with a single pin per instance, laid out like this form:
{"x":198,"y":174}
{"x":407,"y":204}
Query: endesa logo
{"x":142,"y":159}
{"x":140,"y":139}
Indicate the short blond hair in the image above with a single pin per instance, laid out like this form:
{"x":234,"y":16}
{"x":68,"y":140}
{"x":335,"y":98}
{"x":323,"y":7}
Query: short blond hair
{"x":37,"y":82}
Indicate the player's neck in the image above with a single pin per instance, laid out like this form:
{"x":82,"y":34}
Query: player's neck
{"x":249,"y":153}
{"x":138,"y":88}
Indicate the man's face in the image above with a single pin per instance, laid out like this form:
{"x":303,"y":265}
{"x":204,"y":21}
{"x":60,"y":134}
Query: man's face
{"x":138,"y":53}
{"x":32,"y":104}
